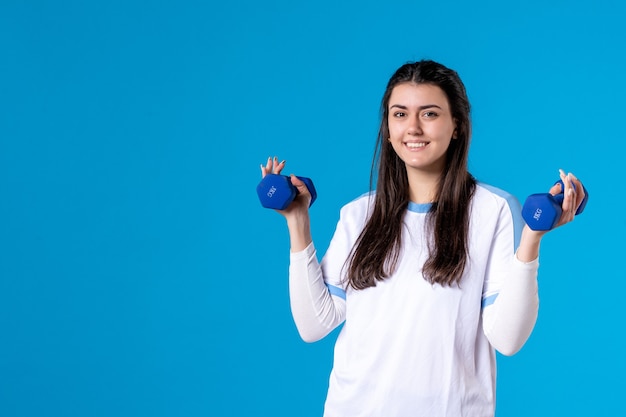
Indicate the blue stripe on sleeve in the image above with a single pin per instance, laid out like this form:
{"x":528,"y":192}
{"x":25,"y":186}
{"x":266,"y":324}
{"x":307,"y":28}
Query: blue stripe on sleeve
{"x":487,"y":301}
{"x":339,"y":292}
{"x":516,"y":211}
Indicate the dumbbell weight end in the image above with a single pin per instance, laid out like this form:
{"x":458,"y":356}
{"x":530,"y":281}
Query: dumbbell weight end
{"x":542,"y":211}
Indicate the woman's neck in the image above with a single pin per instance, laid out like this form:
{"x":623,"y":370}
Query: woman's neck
{"x":423,"y":186}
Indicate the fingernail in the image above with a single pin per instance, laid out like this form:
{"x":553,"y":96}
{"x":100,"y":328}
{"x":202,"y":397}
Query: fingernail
{"x":283,"y":162}
{"x":561,"y":172}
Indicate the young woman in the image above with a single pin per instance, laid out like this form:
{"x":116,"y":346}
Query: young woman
{"x":430,"y":274}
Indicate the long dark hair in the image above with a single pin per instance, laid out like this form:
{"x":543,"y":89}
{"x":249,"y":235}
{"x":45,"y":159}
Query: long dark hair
{"x":377,"y":250}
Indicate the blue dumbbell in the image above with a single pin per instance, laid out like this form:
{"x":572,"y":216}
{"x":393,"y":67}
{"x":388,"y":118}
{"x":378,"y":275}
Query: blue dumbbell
{"x":542,"y":211}
{"x":277,"y":192}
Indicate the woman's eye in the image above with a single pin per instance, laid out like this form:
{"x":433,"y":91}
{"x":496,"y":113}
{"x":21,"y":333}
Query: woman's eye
{"x":399,"y":114}
{"x":430,"y":114}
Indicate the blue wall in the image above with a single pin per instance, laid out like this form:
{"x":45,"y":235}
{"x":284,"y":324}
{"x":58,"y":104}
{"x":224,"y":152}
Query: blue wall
{"x":139,"y":275}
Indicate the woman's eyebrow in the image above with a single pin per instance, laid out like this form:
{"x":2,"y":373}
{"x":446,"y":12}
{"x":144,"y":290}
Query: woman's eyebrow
{"x":426,"y":106}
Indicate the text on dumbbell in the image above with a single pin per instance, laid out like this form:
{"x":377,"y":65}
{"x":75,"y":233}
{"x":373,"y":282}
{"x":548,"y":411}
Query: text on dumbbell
{"x":271,"y":192}
{"x":537,"y":214}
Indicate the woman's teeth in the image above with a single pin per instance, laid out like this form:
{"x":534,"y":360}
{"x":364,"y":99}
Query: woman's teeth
{"x":416,"y":145}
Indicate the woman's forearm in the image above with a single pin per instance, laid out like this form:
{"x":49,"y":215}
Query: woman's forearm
{"x":299,"y":225}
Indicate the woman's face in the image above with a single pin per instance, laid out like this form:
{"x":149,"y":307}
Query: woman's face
{"x":420,"y":126}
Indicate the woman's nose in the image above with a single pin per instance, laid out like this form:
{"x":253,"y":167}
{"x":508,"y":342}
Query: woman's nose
{"x":415,"y":127}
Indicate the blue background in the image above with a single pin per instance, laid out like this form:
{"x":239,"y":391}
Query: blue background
{"x":139,"y":275}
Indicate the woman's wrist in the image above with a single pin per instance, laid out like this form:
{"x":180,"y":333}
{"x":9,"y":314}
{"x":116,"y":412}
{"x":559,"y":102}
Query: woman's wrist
{"x":528,"y":249}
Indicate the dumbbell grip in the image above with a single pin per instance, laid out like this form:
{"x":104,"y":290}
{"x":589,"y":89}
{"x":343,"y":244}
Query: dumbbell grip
{"x":277,"y":191}
{"x":559,"y":197}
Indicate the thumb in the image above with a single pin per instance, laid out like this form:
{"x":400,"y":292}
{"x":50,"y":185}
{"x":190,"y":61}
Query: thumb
{"x":299,"y":184}
{"x":556,"y":189}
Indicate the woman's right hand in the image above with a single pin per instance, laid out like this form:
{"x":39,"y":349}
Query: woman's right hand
{"x":302,"y":201}
{"x":297,"y":213}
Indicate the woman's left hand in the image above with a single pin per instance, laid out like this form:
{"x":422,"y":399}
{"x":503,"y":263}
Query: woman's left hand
{"x":573,"y":196}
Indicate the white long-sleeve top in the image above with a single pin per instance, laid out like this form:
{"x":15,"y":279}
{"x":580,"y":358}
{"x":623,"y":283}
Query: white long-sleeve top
{"x":407,"y":347}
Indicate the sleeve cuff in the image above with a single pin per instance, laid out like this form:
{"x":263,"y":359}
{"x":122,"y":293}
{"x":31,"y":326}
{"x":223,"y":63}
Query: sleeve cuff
{"x":303,"y":254}
{"x":532,"y":264}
